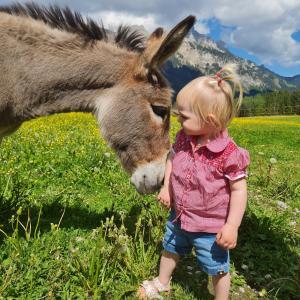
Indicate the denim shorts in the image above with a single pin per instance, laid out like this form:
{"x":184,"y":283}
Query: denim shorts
{"x":212,"y":259}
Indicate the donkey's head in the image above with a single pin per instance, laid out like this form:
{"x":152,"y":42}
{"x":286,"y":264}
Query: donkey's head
{"x":136,"y":119}
{"x":76,"y":66}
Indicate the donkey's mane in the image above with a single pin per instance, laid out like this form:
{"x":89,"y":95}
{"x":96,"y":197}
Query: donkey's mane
{"x":66,"y":19}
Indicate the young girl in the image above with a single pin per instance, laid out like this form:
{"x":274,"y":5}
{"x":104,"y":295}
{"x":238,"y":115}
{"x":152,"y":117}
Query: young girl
{"x":204,"y":184}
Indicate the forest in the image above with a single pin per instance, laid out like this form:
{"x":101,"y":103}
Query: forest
{"x":271,"y":103}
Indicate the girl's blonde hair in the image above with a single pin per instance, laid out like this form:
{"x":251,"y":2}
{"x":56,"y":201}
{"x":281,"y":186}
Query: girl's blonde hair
{"x":215,"y":95}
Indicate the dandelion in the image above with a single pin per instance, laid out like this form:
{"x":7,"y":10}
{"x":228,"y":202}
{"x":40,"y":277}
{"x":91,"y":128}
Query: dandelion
{"x":282,"y":205}
{"x":94,"y":233}
{"x":53,"y":226}
{"x":79,"y":239}
{"x":262,"y":293}
{"x":273,"y":160}
{"x":122,"y":213}
{"x":268,"y":276}
{"x":107,"y":154}
{"x":19,"y":211}
{"x":96,"y":169}
{"x":74,"y":250}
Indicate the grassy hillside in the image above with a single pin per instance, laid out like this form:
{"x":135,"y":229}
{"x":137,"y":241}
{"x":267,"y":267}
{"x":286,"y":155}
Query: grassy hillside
{"x":72,"y":226}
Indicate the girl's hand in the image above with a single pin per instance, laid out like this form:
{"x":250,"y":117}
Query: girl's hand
{"x":227,"y":236}
{"x":164,"y":197}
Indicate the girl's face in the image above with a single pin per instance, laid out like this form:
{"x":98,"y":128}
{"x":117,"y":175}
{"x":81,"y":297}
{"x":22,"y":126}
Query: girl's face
{"x":190,"y":122}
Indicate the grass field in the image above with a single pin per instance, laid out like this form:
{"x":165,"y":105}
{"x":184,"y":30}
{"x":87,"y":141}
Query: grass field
{"x":72,"y":226}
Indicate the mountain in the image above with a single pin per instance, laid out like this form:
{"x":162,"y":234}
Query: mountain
{"x":200,"y":55}
{"x":295,"y":80}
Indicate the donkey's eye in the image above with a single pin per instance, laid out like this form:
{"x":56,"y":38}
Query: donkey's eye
{"x":161,"y":111}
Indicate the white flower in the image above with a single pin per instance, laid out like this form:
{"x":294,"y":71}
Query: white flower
{"x":190,"y":273}
{"x":107,"y":154}
{"x":53,"y":226}
{"x":261,"y":153}
{"x":79,"y":239}
{"x":268,"y":276}
{"x":242,"y":290}
{"x":189,"y":268}
{"x":244,"y":267}
{"x":293,"y":223}
{"x":74,"y":250}
{"x":282,"y":205}
{"x":273,"y":160}
{"x":94,"y":232}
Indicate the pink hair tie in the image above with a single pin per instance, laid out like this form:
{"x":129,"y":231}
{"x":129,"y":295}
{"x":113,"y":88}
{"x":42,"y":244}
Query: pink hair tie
{"x":219,"y":77}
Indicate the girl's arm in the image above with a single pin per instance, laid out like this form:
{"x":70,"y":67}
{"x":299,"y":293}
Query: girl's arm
{"x":227,"y":237}
{"x":164,"y":195}
{"x":168,"y":169}
{"x":238,"y":202}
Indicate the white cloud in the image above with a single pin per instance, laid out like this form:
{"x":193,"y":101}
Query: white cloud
{"x":113,"y":19}
{"x":202,"y":28}
{"x":263,"y":28}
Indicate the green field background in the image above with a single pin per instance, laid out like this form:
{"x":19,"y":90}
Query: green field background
{"x":72,"y":226}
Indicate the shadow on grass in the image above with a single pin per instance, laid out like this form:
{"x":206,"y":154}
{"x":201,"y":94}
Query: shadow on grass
{"x":264,"y":249}
{"x":83,"y":218}
{"x":71,"y":217}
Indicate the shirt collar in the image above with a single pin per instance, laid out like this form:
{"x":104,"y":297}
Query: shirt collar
{"x":219,"y":143}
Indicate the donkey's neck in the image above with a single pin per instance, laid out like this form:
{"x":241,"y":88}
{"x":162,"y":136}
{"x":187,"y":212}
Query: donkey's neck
{"x":73,"y":83}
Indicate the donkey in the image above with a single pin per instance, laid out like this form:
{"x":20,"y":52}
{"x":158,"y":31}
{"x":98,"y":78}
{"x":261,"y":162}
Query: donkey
{"x":52,"y":60}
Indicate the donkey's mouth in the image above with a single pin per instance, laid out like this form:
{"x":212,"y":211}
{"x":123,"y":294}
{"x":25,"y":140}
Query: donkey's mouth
{"x":144,"y":190}
{"x":148,"y":178}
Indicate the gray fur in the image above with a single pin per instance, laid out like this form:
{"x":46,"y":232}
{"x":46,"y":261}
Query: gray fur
{"x":45,"y":71}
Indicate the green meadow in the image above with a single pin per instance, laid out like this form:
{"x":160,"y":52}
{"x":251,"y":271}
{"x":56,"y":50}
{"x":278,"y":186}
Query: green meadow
{"x":73,"y":227}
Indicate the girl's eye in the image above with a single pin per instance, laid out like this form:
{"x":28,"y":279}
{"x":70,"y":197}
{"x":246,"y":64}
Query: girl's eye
{"x":161,"y":111}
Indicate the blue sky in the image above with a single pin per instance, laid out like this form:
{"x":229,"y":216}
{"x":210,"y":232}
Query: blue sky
{"x":217,"y":32}
{"x":266,"y":32}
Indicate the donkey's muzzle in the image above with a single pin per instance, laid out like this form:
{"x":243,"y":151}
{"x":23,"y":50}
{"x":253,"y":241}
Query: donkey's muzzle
{"x":148,"y":178}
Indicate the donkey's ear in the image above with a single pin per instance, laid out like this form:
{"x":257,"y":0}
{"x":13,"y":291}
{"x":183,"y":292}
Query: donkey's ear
{"x":160,"y":48}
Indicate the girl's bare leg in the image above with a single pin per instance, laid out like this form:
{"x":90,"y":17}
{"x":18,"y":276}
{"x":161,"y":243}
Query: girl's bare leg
{"x":221,"y":284}
{"x":167,"y":265}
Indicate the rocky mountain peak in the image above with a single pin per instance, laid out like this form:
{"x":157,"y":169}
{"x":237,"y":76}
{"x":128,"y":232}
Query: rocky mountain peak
{"x":202,"y":55}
